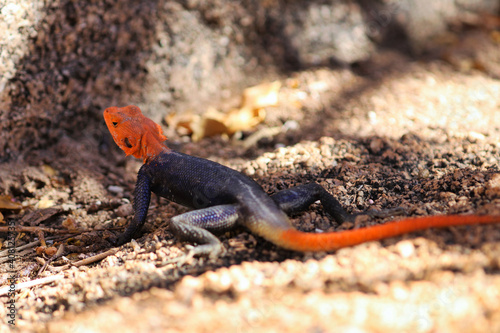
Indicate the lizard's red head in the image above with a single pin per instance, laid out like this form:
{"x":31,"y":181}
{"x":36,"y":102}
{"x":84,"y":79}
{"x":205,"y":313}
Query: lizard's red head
{"x":134,"y":133}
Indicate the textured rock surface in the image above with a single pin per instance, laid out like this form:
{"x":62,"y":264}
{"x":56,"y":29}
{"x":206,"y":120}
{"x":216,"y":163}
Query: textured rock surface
{"x":63,"y":61}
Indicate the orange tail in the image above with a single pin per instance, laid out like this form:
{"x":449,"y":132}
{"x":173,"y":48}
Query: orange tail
{"x":303,"y":241}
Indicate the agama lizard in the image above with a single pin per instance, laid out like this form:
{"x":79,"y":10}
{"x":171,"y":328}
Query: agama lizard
{"x":223,"y":198}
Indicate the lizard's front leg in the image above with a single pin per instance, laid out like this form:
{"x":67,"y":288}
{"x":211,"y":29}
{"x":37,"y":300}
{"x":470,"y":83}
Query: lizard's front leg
{"x":197,"y":226}
{"x":142,"y":197}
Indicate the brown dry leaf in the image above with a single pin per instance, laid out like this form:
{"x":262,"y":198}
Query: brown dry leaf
{"x":48,"y":250}
{"x":7,"y":203}
{"x":1,"y":218}
{"x":38,"y":216}
{"x":210,"y":123}
{"x":70,"y":224}
{"x":182,"y":122}
{"x":261,"y":96}
{"x":40,"y":250}
{"x":244,"y":119}
{"x":214,"y":122}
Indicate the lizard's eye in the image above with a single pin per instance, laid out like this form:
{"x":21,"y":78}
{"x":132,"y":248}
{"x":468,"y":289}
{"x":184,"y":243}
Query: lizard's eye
{"x":127,"y":143}
{"x":114,"y":123}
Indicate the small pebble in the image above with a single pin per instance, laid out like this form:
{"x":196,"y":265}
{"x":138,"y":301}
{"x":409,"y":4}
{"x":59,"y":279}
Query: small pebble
{"x":124,"y":210}
{"x":405,"y":248}
{"x":115,"y":189}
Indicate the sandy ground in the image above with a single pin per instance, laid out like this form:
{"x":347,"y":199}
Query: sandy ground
{"x":421,"y":134}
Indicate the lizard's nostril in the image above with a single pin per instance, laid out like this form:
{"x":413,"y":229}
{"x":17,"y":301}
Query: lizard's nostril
{"x":115,"y":123}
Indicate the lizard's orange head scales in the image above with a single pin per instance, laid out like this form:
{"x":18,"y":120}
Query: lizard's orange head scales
{"x":133,"y":132}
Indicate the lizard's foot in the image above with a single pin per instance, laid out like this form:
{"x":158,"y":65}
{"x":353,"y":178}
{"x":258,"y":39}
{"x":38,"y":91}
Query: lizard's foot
{"x":211,"y":251}
{"x":122,"y":239}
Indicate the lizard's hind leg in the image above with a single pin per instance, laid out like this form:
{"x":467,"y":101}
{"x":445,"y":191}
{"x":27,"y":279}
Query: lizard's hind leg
{"x":297,"y":199}
{"x":197,"y":226}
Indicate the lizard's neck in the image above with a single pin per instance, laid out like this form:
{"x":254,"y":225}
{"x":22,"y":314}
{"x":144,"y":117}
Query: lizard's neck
{"x":151,"y":147}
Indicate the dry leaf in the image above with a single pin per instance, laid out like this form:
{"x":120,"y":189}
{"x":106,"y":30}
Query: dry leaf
{"x":214,"y":122}
{"x":182,"y":122}
{"x":40,"y":250}
{"x":50,"y":251}
{"x":243,"y":119}
{"x":261,"y":96}
{"x":209,"y":124}
{"x":70,"y":224}
{"x":7,"y":203}
{"x":38,"y":216}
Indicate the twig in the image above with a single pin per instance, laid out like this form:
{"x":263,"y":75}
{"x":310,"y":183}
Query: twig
{"x":29,"y":284}
{"x":85,"y":261}
{"x":18,"y":254}
{"x":95,"y":258}
{"x":41,"y":237}
{"x":69,"y":234}
{"x":52,"y":230}
{"x":26,"y":246}
{"x":31,"y":245}
{"x":38,"y":229}
{"x":5,"y":253}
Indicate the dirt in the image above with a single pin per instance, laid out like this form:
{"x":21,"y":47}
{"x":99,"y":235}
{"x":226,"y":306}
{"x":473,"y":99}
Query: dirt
{"x":421,"y":133}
